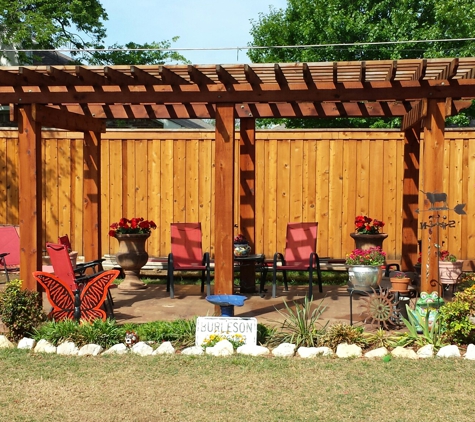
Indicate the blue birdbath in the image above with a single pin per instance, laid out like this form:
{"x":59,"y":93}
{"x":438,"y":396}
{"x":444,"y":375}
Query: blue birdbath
{"x":227,"y":303}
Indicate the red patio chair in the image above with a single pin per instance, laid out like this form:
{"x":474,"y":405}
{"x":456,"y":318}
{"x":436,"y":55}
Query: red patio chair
{"x":9,"y":250}
{"x":81,"y":268}
{"x":187,"y":254}
{"x":74,"y":278}
{"x":300,"y":255}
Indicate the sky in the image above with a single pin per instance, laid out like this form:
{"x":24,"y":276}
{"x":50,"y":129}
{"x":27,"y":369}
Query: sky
{"x":199,"y":24}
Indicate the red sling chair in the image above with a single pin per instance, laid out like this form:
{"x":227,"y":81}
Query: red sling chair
{"x":187,"y":254}
{"x":300,"y":255}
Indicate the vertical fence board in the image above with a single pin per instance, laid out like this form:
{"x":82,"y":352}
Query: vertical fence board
{"x":315,"y":175}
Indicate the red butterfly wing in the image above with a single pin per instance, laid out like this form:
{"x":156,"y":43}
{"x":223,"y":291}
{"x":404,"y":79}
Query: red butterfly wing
{"x":94,"y":294}
{"x":59,"y":295}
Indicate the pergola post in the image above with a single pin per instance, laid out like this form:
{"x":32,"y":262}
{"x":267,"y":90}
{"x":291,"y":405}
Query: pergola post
{"x":92,"y":196}
{"x":30,"y":200}
{"x":224,"y":194}
{"x":410,"y":198}
{"x":431,"y":181}
{"x":247,"y":195}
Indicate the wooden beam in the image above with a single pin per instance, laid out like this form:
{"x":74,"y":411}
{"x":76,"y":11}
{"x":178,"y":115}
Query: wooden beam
{"x":251,"y":76}
{"x":170,"y":77}
{"x":410,"y":199}
{"x":92,"y":196}
{"x":34,"y":78}
{"x":218,"y":93}
{"x":9,"y":78}
{"x":432,"y":162}
{"x":199,"y":77}
{"x":30,"y":200}
{"x":415,"y":115}
{"x":247,"y":194}
{"x":90,"y":77}
{"x":225,"y":77}
{"x":118,"y":78}
{"x":63,"y":119}
{"x":143,"y":77}
{"x":62,"y":77}
{"x":224,"y":190}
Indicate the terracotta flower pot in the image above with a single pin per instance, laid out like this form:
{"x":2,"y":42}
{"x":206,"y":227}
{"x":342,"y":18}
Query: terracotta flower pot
{"x":132,"y":256}
{"x":400,"y":285}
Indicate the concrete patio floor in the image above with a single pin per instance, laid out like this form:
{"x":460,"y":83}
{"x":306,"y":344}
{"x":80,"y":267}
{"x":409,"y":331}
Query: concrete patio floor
{"x":154,"y":303}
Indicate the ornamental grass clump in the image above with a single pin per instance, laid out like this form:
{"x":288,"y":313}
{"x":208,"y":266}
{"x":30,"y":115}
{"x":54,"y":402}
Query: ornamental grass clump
{"x":372,"y":256}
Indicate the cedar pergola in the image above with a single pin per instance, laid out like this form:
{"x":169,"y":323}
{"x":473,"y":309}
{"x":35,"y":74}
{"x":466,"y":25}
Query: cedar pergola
{"x":80,"y":98}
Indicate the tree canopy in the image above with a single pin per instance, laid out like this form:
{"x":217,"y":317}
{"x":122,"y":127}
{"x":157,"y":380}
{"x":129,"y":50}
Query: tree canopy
{"x":51,"y":24}
{"x":72,"y":24}
{"x":338,"y":29}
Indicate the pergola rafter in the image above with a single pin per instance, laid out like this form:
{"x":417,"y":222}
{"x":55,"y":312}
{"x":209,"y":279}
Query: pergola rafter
{"x":423,"y":92}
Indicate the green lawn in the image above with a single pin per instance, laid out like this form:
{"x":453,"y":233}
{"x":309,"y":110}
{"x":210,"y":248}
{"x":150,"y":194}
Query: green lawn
{"x":185,"y":388}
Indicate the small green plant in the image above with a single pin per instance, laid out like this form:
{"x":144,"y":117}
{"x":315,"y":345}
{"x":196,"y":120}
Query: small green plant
{"x":381,"y":338}
{"x":343,"y":333}
{"x":301,"y":326}
{"x":236,"y":340}
{"x":431,"y":332}
{"x":20,"y":310}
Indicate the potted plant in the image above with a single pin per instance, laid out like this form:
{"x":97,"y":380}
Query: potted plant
{"x":449,"y":267}
{"x":365,"y":268}
{"x":241,"y":246}
{"x":367,"y":232}
{"x":399,"y":282}
{"x":132,"y":256}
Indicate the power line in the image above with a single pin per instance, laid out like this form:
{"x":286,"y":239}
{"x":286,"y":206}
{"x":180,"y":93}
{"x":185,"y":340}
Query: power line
{"x":253,"y":47}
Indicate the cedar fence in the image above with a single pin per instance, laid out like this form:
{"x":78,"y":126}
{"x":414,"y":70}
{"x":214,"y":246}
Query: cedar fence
{"x":329,"y":176}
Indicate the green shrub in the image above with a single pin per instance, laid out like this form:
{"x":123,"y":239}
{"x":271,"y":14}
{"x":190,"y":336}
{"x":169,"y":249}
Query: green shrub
{"x":105,"y":333}
{"x":342,"y":333}
{"x":431,"y":334}
{"x":455,"y":323}
{"x":20,"y":310}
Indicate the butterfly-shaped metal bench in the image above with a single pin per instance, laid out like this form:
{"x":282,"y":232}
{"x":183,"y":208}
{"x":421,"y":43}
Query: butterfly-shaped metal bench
{"x":83,"y":303}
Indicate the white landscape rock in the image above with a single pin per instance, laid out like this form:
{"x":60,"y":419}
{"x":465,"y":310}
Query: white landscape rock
{"x":194,"y":350}
{"x":90,"y":350}
{"x":311,"y":352}
{"x":252,"y":350}
{"x":426,"y":351}
{"x":470,"y":353}
{"x":117,"y":349}
{"x":141,"y":348}
{"x":377,"y":353}
{"x":67,"y":348}
{"x":27,"y":343}
{"x":345,"y":350}
{"x":44,"y":346}
{"x":222,"y":348}
{"x":451,"y":351}
{"x":165,"y":348}
{"x":284,"y":350}
{"x":5,"y":343}
{"x":402,"y":352}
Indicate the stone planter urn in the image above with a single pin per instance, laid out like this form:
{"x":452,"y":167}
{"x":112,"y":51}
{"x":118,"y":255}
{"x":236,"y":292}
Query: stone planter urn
{"x":364,"y":277}
{"x":366,"y":241}
{"x":132,"y":256}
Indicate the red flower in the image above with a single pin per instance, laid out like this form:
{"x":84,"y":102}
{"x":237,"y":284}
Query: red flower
{"x":366,"y":225}
{"x":136,"y":225}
